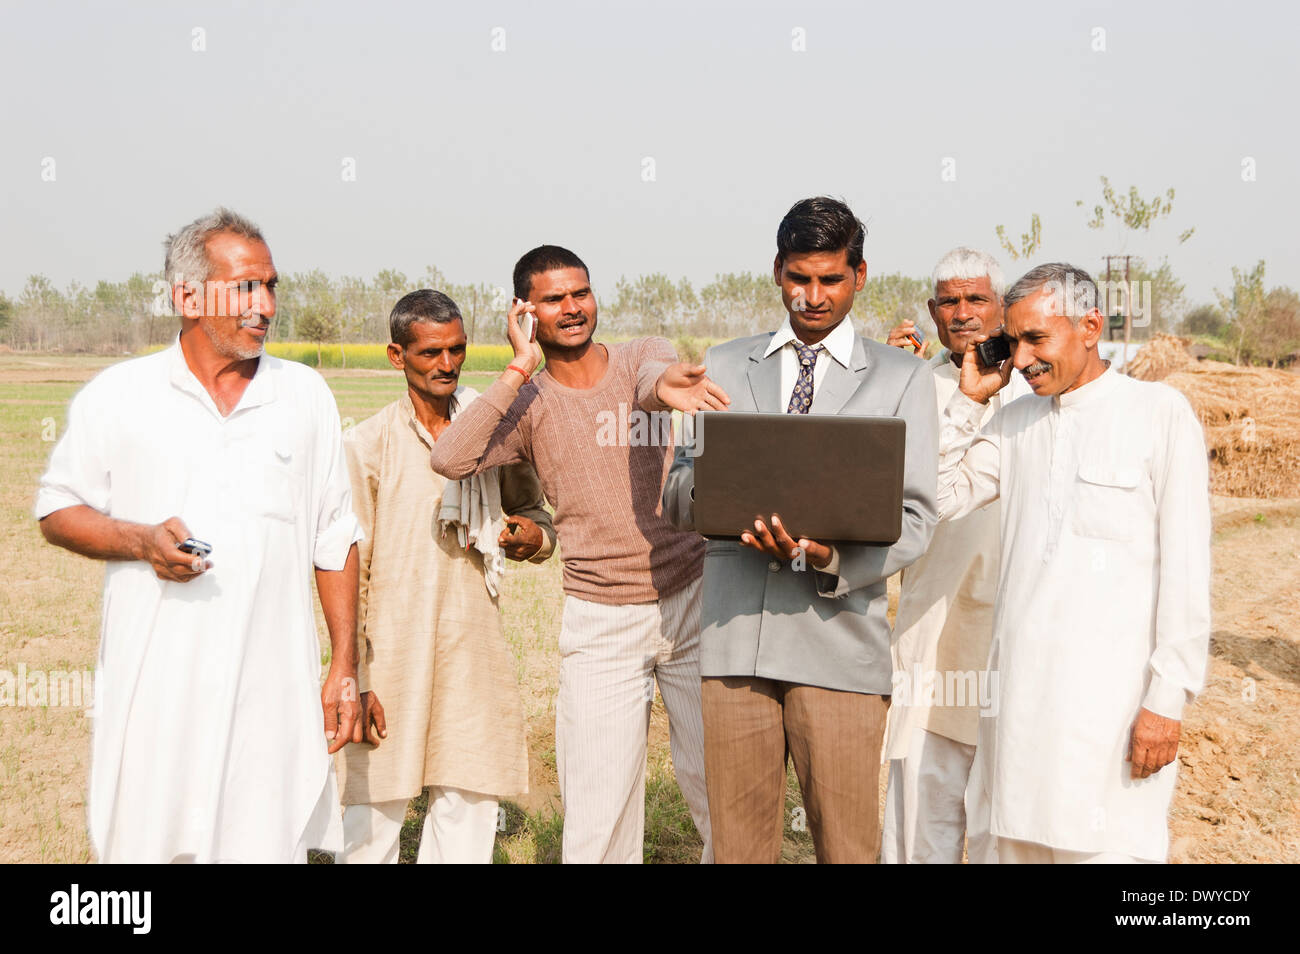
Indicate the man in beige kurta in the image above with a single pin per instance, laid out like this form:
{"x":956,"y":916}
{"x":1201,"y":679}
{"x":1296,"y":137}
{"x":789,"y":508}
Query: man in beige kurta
{"x":944,"y":623}
{"x":430,"y":642}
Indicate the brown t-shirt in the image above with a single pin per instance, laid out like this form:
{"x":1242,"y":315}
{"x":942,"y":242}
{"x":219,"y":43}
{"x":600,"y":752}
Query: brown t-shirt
{"x":602,"y":454}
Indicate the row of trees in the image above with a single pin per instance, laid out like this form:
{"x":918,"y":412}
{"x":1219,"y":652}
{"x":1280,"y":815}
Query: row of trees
{"x":1249,"y":322}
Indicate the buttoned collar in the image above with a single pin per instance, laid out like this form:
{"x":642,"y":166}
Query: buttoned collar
{"x":838,"y":344}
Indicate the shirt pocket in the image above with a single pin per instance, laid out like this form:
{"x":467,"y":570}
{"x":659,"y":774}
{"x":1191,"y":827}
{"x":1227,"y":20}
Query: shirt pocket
{"x":1107,"y":504}
{"x":279,"y":485}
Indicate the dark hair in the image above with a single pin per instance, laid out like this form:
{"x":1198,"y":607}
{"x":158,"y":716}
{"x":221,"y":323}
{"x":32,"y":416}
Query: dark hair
{"x":821,"y":224}
{"x":544,"y":258}
{"x":423,"y":305}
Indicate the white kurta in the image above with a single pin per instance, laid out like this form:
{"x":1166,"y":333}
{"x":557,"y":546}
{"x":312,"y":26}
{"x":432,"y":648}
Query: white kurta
{"x":208,"y":741}
{"x":1103,"y":602}
{"x":945,"y":610}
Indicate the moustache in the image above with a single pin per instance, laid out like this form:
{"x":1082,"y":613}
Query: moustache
{"x":1042,"y":367}
{"x":974,"y":326}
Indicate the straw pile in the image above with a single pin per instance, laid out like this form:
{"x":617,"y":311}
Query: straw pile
{"x":1251,"y":418}
{"x":1160,"y":357}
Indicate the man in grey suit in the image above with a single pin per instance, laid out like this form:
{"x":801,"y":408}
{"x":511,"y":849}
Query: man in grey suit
{"x":794,"y":637}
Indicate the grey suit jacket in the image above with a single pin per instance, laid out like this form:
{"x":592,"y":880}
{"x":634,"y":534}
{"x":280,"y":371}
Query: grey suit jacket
{"x":761,"y":617}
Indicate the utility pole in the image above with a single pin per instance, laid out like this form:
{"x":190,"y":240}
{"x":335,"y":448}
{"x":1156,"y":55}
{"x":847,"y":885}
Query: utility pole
{"x":1128,"y":311}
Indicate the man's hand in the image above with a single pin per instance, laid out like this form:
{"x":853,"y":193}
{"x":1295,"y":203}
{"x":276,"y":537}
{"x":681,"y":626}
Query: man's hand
{"x":521,"y":538}
{"x":900,"y":336}
{"x":169,"y":562}
{"x":777,"y":543}
{"x":1153,"y":743}
{"x":528,"y":354}
{"x":341,"y":705}
{"x":685,"y":387}
{"x":979,"y":383}
{"x":373,"y":724}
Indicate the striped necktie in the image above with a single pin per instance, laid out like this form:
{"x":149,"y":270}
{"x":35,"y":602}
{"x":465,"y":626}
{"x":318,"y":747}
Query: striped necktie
{"x":802,"y":395}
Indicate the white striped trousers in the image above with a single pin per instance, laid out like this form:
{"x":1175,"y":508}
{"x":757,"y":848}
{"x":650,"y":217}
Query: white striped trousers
{"x":610,"y":658}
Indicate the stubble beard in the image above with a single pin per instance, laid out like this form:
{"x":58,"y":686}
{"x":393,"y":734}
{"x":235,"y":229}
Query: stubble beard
{"x":227,"y":347}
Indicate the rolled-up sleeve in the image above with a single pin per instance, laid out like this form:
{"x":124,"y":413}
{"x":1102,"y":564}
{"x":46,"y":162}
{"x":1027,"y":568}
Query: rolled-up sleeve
{"x":337,"y":527}
{"x":78,"y":473}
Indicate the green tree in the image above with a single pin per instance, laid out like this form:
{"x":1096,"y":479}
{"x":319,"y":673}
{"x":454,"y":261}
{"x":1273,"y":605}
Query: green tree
{"x":887,"y":300}
{"x":1279,"y":335}
{"x":1204,"y":320}
{"x":738,"y":303}
{"x":1029,"y":241}
{"x":1244,"y":306}
{"x":1132,"y":211}
{"x":313,"y":308}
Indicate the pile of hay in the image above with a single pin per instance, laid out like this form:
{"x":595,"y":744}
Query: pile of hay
{"x":1160,"y":357}
{"x":1251,"y":418}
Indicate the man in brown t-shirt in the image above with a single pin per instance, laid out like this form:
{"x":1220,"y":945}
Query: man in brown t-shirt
{"x":594,"y":423}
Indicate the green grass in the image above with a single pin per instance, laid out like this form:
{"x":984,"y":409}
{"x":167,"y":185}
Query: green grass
{"x":371,"y":357}
{"x":478,"y":357}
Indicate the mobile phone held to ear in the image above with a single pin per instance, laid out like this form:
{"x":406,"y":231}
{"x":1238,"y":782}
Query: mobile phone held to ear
{"x":528,"y":323}
{"x":993,"y":351}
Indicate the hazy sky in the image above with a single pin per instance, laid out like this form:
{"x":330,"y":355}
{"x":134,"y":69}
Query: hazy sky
{"x":466,"y":156}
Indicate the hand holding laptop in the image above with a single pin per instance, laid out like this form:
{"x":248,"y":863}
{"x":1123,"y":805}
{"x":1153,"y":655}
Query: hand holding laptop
{"x":776,"y":542}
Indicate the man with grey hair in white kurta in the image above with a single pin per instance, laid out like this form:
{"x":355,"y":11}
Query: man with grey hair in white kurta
{"x":208,"y":742}
{"x":944,"y":623}
{"x":1102,"y":621}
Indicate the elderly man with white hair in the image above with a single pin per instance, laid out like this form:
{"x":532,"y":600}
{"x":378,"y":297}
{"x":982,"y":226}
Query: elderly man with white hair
{"x":1102,"y":622}
{"x":945,"y":612}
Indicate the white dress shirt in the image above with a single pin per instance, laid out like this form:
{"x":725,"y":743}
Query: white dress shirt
{"x":838,"y":345}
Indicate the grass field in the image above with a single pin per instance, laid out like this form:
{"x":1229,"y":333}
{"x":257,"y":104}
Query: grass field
{"x":1238,"y":797}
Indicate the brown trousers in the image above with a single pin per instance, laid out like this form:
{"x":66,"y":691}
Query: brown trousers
{"x":751,"y":726}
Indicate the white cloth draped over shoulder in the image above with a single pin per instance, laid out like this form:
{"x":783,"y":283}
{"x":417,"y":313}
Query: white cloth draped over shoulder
{"x":1102,"y":600}
{"x":208,"y":740}
{"x":472,"y":507}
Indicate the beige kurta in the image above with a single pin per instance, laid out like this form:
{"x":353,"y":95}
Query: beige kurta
{"x":429,"y":635}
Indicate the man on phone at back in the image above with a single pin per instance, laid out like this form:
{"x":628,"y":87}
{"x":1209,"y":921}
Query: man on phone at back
{"x":593,"y":425}
{"x":945,"y":612}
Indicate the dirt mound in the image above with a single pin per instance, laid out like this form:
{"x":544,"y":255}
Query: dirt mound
{"x":1252,"y":425}
{"x":1160,"y":357}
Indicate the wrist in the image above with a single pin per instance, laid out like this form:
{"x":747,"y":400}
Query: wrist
{"x":139,"y":540}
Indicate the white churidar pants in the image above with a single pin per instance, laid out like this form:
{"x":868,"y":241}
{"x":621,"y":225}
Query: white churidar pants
{"x":460,"y":829}
{"x":925,"y":811}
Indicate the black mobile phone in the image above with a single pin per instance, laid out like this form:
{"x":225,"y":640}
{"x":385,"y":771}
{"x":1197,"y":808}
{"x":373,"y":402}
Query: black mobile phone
{"x":197,"y":547}
{"x":993,"y":351}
